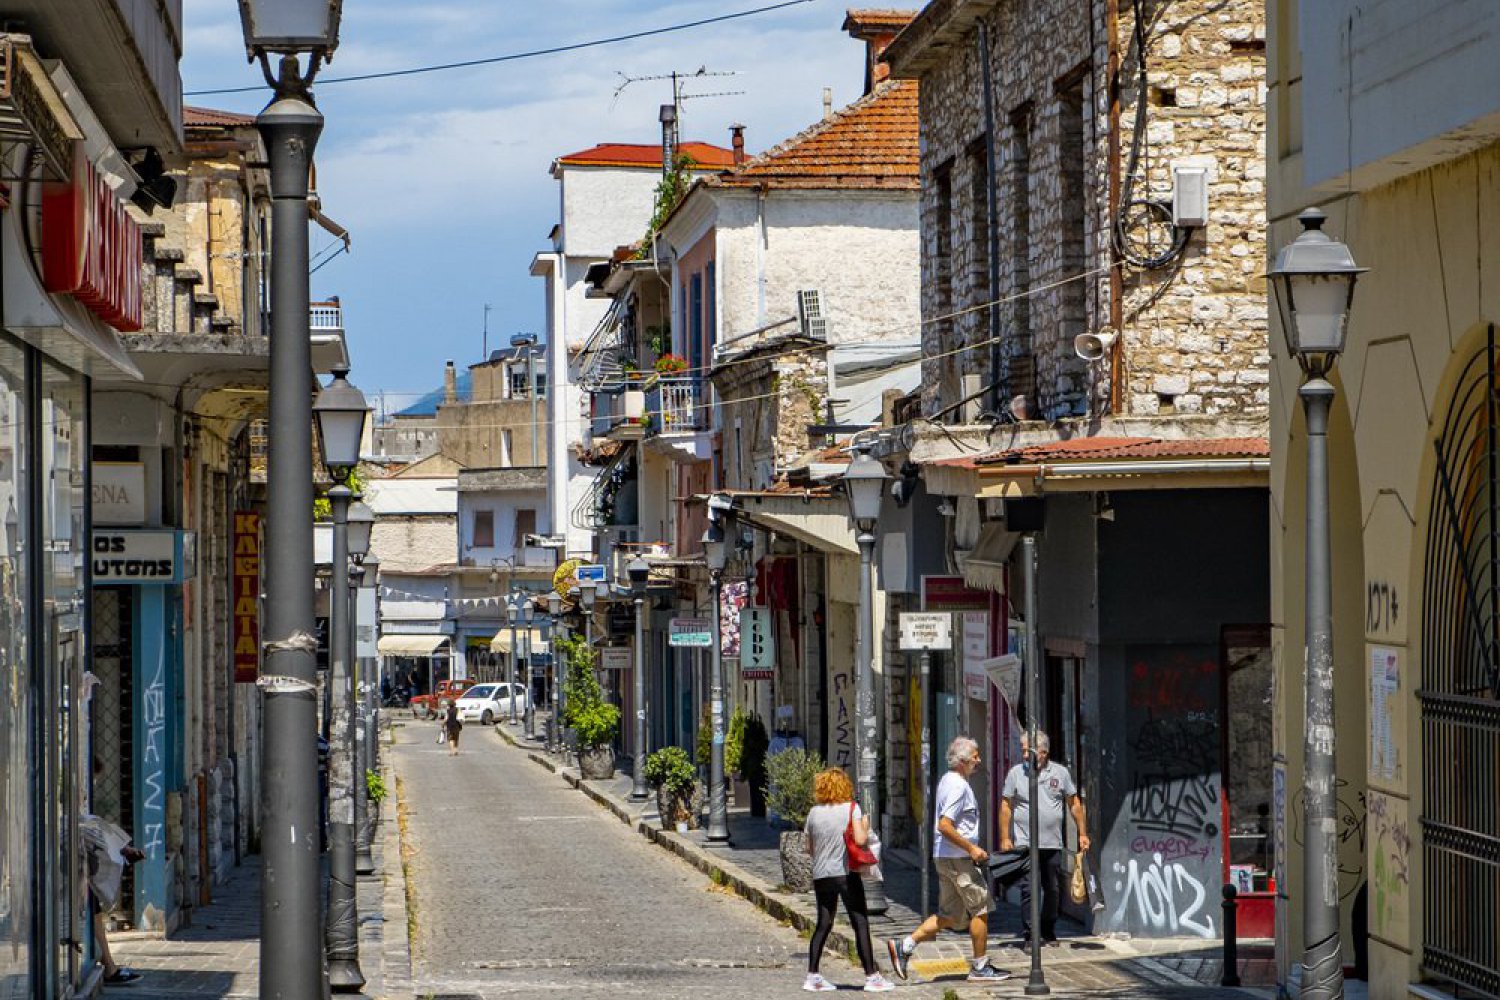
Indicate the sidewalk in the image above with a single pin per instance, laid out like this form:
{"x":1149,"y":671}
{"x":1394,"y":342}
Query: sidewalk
{"x":217,"y":955}
{"x":751,"y":867}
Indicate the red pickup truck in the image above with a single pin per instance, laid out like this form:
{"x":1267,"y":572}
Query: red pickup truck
{"x":430,"y":706}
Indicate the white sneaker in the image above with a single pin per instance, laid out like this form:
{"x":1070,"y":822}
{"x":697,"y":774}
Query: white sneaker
{"x":815,"y":983}
{"x":878,"y":984}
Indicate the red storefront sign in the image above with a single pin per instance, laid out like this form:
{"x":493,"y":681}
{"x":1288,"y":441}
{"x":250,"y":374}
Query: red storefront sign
{"x":91,"y":249}
{"x":951,"y":593}
{"x":246,"y":576}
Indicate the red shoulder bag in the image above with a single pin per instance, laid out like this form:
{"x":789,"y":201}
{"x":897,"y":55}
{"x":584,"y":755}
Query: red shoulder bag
{"x":860,"y":856}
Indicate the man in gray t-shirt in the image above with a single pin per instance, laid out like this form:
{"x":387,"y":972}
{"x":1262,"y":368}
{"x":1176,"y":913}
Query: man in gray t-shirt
{"x":1056,"y":789}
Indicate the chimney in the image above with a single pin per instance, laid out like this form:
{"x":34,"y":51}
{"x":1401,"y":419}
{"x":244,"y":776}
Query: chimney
{"x":737,"y":142}
{"x":827,"y":102}
{"x":877,"y":29}
{"x":667,"y":115}
{"x":450,"y":383}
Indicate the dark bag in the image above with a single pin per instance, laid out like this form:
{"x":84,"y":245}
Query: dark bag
{"x":860,"y":856}
{"x":1007,"y":868}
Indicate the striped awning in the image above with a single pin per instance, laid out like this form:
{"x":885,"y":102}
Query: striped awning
{"x":410,"y":645}
{"x":501,"y":642}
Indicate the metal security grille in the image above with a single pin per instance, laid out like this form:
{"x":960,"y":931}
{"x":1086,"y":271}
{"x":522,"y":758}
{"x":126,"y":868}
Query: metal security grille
{"x":1460,"y":692}
{"x":112,"y":724}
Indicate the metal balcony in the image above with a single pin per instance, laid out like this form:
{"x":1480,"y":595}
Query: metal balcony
{"x":675,"y":405}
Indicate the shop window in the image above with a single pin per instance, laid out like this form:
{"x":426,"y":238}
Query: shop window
{"x":16,"y":862}
{"x":1248,"y":726}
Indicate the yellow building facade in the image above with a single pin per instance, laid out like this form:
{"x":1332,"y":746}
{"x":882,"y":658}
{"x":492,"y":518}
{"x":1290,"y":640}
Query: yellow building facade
{"x":1386,"y":119}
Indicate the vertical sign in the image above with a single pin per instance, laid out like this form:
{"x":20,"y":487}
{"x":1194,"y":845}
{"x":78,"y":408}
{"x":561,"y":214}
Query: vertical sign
{"x":976,"y":652}
{"x":757,"y":645}
{"x":246,"y":616}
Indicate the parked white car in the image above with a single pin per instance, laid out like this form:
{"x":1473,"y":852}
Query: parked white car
{"x":487,"y":703}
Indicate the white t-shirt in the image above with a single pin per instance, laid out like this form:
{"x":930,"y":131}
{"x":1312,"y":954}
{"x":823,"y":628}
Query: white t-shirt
{"x":955,"y":799}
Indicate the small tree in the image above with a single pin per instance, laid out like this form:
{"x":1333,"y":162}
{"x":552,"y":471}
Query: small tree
{"x":588,"y":714}
{"x":789,"y":788}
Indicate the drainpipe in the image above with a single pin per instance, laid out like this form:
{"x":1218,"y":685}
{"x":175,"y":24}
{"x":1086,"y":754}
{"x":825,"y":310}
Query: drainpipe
{"x":1116,"y":279}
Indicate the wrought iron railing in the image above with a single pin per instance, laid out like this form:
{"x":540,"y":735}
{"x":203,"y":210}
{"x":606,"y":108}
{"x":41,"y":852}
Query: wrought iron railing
{"x":1460,"y":693}
{"x":675,"y":405}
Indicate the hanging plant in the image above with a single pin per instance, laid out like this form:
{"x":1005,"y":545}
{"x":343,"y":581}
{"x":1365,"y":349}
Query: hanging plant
{"x":671,"y":364}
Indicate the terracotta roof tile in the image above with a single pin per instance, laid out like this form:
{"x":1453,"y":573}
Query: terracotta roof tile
{"x":1115,"y":449}
{"x":877,"y":20}
{"x":209,"y":117}
{"x":631,"y":154}
{"x":872,"y":143}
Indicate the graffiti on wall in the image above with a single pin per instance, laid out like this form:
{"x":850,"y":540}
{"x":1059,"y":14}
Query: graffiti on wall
{"x":1166,"y":849}
{"x":153,"y":763}
{"x":1350,"y":816}
{"x":1390,"y":866}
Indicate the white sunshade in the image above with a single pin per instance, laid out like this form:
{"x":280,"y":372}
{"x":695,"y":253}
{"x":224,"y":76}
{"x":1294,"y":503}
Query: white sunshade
{"x":410,"y":645}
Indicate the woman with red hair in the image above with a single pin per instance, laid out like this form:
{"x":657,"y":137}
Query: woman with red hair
{"x":835,"y":813}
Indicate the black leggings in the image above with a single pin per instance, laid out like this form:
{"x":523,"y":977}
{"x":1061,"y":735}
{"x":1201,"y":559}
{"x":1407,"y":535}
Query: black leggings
{"x":851,"y":889}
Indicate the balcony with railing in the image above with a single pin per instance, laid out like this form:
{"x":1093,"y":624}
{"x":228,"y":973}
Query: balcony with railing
{"x":675,"y":405}
{"x":619,"y":413}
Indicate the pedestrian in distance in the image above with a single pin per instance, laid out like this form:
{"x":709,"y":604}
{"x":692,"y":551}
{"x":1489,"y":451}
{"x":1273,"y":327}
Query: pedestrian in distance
{"x":452,"y":726}
{"x":963,"y":890}
{"x":834,"y":821}
{"x":1056,"y":788}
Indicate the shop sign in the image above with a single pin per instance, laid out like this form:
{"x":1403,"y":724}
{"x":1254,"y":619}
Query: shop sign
{"x":691,"y":632}
{"x":246,"y":580}
{"x":144,"y":557}
{"x":91,"y":249}
{"x":589,"y":573}
{"x":614,"y":658}
{"x":951,"y":593}
{"x":757,"y":645}
{"x":923,"y":630}
{"x":118,"y":493}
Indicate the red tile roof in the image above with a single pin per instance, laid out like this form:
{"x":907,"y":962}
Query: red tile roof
{"x":1105,"y":449}
{"x":209,"y":117}
{"x":631,"y":154}
{"x":877,"y":21}
{"x":872,"y":143}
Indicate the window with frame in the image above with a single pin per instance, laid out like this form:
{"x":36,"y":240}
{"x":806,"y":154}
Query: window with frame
{"x":484,"y":529}
{"x":525,"y":525}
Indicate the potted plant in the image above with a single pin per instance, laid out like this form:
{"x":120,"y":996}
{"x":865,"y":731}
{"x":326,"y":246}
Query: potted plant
{"x":789,"y":793}
{"x":671,"y":364}
{"x":670,"y":771}
{"x":594,"y":720}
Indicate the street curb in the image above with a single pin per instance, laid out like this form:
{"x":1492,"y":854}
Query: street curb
{"x":719,"y":871}
{"x":396,"y":973}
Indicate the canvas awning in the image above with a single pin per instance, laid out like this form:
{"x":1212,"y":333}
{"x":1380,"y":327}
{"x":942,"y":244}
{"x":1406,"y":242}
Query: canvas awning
{"x":984,"y":566}
{"x":501,"y":642}
{"x":410,"y":645}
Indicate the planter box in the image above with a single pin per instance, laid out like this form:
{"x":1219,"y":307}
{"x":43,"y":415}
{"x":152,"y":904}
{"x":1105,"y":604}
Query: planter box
{"x":597,"y":764}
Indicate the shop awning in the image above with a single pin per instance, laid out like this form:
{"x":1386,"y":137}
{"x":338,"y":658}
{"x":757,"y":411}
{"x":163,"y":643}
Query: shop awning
{"x":410,"y":645}
{"x":984,"y":567}
{"x":815,"y":518}
{"x":501,"y":642}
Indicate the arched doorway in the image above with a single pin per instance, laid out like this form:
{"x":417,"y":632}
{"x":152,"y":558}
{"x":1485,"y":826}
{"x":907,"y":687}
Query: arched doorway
{"x":1459,"y":695}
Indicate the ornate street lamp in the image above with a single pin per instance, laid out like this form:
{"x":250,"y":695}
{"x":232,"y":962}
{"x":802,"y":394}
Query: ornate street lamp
{"x":586,"y":591}
{"x":291,"y":962}
{"x":639,"y":572}
{"x":515,"y":610}
{"x":864,"y":486}
{"x":341,"y":411}
{"x":361,"y":527}
{"x":1313,"y":278}
{"x":716,"y":557}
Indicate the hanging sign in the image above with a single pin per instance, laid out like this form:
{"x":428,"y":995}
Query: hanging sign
{"x":144,"y":557}
{"x":952,"y":593}
{"x":976,"y":625}
{"x":614,"y":658}
{"x":91,"y":248}
{"x":926,"y":630}
{"x":589,"y":573}
{"x":246,"y":580}
{"x":757,"y":645}
{"x":692,"y":632}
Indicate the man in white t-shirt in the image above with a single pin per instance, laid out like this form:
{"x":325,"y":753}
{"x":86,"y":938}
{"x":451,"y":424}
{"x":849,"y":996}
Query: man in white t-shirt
{"x":1056,"y":790}
{"x":964,"y":894}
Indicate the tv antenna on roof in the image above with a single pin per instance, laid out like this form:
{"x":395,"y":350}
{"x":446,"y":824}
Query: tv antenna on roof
{"x":679,"y":80}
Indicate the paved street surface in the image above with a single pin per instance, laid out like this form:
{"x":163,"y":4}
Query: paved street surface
{"x":524,"y":887}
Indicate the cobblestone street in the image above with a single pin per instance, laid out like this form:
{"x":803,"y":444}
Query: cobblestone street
{"x":523,"y":887}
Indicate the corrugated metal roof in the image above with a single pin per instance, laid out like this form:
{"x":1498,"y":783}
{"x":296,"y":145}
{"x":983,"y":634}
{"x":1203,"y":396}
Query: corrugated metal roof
{"x":395,"y":497}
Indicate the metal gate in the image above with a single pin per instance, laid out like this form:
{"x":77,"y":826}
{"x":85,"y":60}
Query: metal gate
{"x":1460,"y":693}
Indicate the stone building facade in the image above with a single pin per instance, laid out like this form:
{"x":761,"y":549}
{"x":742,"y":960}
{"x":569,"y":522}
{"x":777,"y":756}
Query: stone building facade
{"x":1079,"y":206}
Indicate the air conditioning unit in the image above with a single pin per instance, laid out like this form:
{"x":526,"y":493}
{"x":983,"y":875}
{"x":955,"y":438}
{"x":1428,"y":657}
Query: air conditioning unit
{"x":810,"y":315}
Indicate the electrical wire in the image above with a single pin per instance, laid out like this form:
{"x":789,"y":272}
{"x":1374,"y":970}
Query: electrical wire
{"x":514,"y":56}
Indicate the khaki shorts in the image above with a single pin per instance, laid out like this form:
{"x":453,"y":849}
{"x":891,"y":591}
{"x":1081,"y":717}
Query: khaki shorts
{"x":962,"y":894}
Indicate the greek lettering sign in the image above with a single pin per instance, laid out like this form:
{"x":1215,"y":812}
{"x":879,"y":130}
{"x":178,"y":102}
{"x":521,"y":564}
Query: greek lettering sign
{"x":91,"y":249}
{"x":757,"y":645}
{"x":976,"y":651}
{"x":926,"y":630}
{"x":691,"y":632}
{"x":951,"y":593}
{"x":246,"y":580}
{"x":614,"y":658}
{"x":143,"y":557}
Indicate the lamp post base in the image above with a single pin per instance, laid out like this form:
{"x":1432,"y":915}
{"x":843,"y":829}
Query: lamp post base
{"x":364,"y":862}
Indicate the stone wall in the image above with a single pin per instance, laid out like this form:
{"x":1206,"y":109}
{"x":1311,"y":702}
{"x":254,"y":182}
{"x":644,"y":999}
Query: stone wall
{"x":1193,"y":332}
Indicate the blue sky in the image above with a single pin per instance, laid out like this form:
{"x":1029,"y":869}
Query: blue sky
{"x":442,"y":178}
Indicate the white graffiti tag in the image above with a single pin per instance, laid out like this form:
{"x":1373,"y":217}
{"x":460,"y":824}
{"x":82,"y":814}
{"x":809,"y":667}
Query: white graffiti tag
{"x":1155,"y":889}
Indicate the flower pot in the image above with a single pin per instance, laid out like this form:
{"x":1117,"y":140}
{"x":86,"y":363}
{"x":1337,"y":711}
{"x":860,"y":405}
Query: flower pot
{"x":677,"y":811}
{"x":597,"y":763}
{"x":741,"y":789}
{"x":796,"y":863}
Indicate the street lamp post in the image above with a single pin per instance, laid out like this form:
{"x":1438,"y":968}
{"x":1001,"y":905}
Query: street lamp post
{"x":1313,"y":278}
{"x":361,"y":525}
{"x":1036,"y":983}
{"x":586,"y":591}
{"x":291,"y":960}
{"x":554,"y":720}
{"x":341,"y":410}
{"x":372,"y":717}
{"x":529,"y":712}
{"x":716,"y":557}
{"x":864,"y":484}
{"x":640,"y":573}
